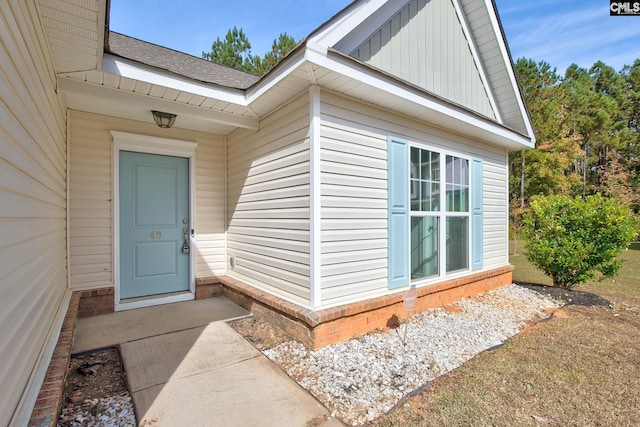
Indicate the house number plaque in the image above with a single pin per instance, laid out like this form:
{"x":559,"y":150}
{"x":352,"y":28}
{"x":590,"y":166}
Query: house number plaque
{"x":410,"y":298}
{"x":156,"y":235}
{"x":409,"y":301}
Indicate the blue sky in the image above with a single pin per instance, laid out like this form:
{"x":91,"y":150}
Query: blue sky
{"x":566,"y":32}
{"x":558,"y":32}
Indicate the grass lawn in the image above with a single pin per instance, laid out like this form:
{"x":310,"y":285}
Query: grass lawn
{"x":581,"y":368}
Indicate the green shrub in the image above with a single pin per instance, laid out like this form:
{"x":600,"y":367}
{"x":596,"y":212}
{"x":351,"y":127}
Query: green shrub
{"x":571,"y":240}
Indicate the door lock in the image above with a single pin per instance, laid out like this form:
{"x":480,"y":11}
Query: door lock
{"x":185,"y":245}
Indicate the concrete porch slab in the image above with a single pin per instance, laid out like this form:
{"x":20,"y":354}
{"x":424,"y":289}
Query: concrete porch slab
{"x":164,"y":358}
{"x":124,"y":326}
{"x":211,"y":376}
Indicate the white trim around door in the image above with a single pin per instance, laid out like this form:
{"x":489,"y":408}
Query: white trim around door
{"x":124,"y":141}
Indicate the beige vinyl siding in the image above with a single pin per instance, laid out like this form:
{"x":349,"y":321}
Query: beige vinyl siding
{"x":268,"y":203}
{"x":354,"y":204}
{"x":354,"y":196}
{"x":33,"y":271}
{"x":210,"y":215}
{"x":424,"y":44}
{"x":90,"y":202}
{"x":91,"y":187}
{"x":495,"y":216}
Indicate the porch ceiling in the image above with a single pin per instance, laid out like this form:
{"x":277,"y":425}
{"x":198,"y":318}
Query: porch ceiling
{"x":104,"y":93}
{"x":75,"y":31}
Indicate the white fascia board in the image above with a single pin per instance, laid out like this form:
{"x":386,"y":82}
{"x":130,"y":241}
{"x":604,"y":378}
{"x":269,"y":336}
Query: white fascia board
{"x":343,"y":25}
{"x":282,"y":70}
{"x":133,"y":70}
{"x":448,"y":113}
{"x":507,"y":61}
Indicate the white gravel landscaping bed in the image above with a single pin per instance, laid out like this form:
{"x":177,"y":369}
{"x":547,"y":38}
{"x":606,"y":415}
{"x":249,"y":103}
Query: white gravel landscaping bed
{"x":365,"y":377}
{"x":114,"y":411}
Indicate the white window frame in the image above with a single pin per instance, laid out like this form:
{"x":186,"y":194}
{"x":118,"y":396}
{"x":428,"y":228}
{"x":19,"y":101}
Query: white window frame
{"x":442,"y":214}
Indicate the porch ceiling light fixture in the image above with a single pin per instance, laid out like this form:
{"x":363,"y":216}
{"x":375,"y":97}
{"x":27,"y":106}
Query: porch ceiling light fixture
{"x":162,"y":119}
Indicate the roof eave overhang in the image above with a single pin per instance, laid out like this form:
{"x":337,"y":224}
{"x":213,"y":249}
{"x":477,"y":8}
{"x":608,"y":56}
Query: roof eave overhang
{"x":244,"y":97}
{"x":423,"y":105}
{"x":145,"y":73}
{"x":431,"y":108}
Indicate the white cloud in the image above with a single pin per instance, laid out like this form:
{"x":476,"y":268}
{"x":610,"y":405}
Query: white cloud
{"x":583,"y":34}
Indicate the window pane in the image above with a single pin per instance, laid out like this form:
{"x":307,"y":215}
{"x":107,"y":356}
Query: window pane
{"x":435,"y":197}
{"x":426,"y":197}
{"x":457,"y":251}
{"x":457,"y":184}
{"x":464,"y":176}
{"x":415,"y":162}
{"x":415,"y":195}
{"x":424,"y":247}
{"x":424,"y":180}
{"x":435,"y":167}
{"x":414,"y":181}
{"x":425,"y":164}
{"x":450,"y":198}
{"x":464,"y":199}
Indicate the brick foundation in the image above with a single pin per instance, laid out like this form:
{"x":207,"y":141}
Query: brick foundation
{"x":323,"y":327}
{"x":320,"y":328}
{"x":95,"y":302}
{"x":49,"y":401}
{"x":208,"y":288}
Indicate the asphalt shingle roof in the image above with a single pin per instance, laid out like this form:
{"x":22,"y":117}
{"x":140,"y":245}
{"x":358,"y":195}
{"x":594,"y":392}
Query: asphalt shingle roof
{"x":177,"y":62}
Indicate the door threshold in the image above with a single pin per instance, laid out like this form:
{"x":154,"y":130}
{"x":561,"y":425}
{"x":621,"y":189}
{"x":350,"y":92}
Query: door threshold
{"x":151,"y":300}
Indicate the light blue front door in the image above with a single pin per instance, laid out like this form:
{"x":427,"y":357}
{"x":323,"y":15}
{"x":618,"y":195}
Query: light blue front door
{"x":154,"y":217}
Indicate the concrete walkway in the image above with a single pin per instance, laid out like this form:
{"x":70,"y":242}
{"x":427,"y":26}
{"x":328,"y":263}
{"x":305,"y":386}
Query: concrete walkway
{"x":185,"y":366}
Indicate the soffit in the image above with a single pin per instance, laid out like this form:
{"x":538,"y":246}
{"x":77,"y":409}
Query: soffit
{"x":483,"y":23}
{"x":104,"y":93}
{"x":75,"y":32}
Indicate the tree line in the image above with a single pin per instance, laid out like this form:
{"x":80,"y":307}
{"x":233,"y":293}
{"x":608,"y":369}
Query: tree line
{"x":587,"y":125}
{"x":235,"y":51}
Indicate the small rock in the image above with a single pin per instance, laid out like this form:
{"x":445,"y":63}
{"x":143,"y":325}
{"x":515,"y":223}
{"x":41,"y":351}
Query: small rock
{"x":76,"y":397}
{"x":542,"y":419}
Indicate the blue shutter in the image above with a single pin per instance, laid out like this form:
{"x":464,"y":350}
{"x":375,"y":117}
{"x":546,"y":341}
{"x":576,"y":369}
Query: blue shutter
{"x":398,"y":212}
{"x":476,"y":214}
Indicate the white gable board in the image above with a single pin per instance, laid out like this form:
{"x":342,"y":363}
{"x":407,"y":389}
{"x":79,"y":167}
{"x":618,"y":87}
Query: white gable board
{"x":425,"y":44}
{"x":492,"y":50}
